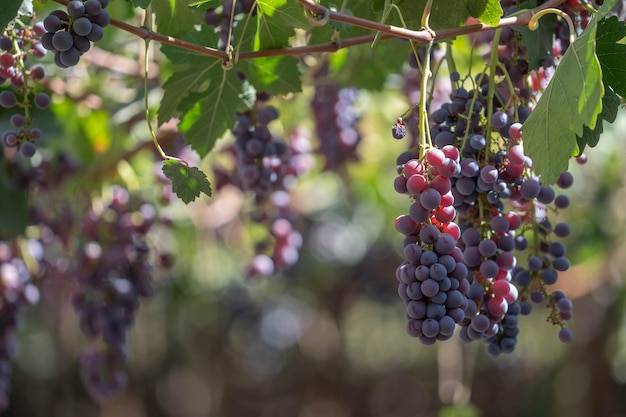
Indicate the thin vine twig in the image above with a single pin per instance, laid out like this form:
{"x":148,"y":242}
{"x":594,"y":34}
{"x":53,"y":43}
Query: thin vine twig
{"x":421,"y":36}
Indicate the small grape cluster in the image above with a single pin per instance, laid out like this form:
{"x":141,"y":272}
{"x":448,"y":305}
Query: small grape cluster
{"x":17,"y":291}
{"x":268,"y":167}
{"x":113,"y":273}
{"x":15,"y":46}
{"x":111,"y":264}
{"x":336,"y":120}
{"x":69,"y":33}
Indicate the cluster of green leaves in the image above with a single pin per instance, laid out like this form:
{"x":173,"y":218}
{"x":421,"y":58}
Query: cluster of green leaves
{"x":206,"y":95}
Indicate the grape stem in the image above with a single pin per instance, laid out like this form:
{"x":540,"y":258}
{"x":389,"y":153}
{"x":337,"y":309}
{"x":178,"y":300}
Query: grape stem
{"x":533,"y":24}
{"x":424,"y":131}
{"x":388,"y":32}
{"x":146,"y":67}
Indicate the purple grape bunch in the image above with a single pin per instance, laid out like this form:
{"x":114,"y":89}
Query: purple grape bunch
{"x":21,"y":94}
{"x":69,"y":33}
{"x":267,"y":167}
{"x":495,"y":200}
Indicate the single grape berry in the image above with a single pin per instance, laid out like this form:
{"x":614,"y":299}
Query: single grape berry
{"x":76,"y":8}
{"x":7,"y":99}
{"x":398,"y":130}
{"x":42,"y":100}
{"x":28,"y":149}
{"x":82,"y":26}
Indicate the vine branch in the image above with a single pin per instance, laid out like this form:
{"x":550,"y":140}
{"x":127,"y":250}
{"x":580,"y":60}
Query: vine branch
{"x":315,"y":9}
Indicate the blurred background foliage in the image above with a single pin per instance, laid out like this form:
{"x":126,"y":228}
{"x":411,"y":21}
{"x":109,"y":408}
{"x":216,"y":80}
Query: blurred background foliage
{"x":326,"y":338}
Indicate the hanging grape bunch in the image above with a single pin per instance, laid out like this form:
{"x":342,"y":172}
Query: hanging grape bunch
{"x":69,"y":34}
{"x":480,"y":178}
{"x":21,"y":90}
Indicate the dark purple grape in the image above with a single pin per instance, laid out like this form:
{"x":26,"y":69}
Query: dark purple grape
{"x":103,"y":18}
{"x":76,"y":8}
{"x":42,"y":100}
{"x":82,"y":44}
{"x":28,"y":149}
{"x":6,"y":44}
{"x":9,"y":139}
{"x":17,"y":120}
{"x":7,"y":99}
{"x":96,"y":33}
{"x":93,"y":7}
{"x":82,"y":26}
{"x":70,"y":57}
{"x":62,"y":41}
{"x":52,"y":23}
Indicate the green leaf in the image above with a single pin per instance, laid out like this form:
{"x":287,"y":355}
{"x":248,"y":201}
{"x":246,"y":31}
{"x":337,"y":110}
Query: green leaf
{"x":174,"y":17}
{"x":141,"y":3}
{"x":187,"y":182}
{"x":9,"y":11}
{"x":488,"y":12}
{"x":611,"y":50}
{"x":215,"y":110}
{"x":364,"y":67}
{"x":444,"y":14}
{"x":591,"y":137}
{"x":274,"y":75}
{"x":538,"y":42}
{"x":277,"y":20}
{"x":571,"y":101}
{"x":204,"y":3}
{"x":201,"y":93}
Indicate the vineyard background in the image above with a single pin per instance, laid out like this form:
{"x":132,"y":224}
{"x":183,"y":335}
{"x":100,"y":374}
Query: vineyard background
{"x":325,"y":338}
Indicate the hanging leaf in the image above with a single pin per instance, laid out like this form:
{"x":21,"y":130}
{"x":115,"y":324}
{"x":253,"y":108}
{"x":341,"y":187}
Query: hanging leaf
{"x":174,"y":17}
{"x":572,"y":100}
{"x":277,"y":20}
{"x":610,"y":105}
{"x":9,"y":11}
{"x":488,"y":12}
{"x":187,"y":182}
{"x":202,"y":94}
{"x":611,"y":50}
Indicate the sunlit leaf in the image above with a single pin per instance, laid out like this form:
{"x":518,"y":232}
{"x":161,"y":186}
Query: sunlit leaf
{"x":611,"y":50}
{"x":572,"y":100}
{"x":187,"y":182}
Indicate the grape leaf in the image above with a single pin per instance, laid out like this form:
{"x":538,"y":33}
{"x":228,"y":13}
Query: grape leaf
{"x":591,"y":137}
{"x":174,"y":17}
{"x":204,"y":3}
{"x":203,"y":94}
{"x":274,"y":75}
{"x":488,"y":12}
{"x":444,"y":14}
{"x":214,"y":111}
{"x":572,"y":100}
{"x":611,"y":50}
{"x":364,"y":67}
{"x":9,"y":11}
{"x":277,"y":20}
{"x":538,"y":42}
{"x":187,"y":182}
